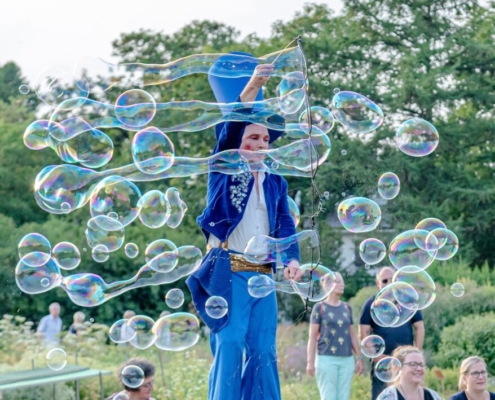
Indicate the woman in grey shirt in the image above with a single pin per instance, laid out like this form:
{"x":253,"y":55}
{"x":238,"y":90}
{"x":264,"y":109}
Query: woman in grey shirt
{"x":333,"y":338}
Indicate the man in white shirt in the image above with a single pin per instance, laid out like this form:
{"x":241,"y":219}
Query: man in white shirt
{"x":50,"y":326}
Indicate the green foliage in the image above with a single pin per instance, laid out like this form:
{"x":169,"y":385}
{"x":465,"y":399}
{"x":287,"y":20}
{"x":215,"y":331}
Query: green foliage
{"x":10,"y":80}
{"x":470,"y":335}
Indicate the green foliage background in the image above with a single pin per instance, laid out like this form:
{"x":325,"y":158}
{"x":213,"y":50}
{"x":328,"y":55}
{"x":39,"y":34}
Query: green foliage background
{"x":428,"y":59}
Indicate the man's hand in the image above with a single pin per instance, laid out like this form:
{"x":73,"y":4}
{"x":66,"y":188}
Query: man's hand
{"x":310,"y":369}
{"x":359,"y":366}
{"x":293,"y":271}
{"x":259,"y":79}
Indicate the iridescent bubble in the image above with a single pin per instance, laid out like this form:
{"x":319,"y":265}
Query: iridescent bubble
{"x":65,"y":207}
{"x":34,"y":249}
{"x":132,"y":376}
{"x":153,"y":205}
{"x":56,"y":84}
{"x":359,"y":214}
{"x":131,"y":250}
{"x":336,"y":90}
{"x":66,"y":255}
{"x":294,"y":211}
{"x":430,"y":242}
{"x":144,"y":337}
{"x":174,"y":298}
{"x":28,"y":278}
{"x":372,"y":346}
{"x":113,"y":214}
{"x":417,"y":137}
{"x":291,"y":92}
{"x":388,"y":369}
{"x":321,"y":118}
{"x":316,"y":282}
{"x":260,"y":286}
{"x":372,"y":251}
{"x":45,"y":282}
{"x":356,"y":112}
{"x":161,"y":255}
{"x":176,"y":207}
{"x":407,"y":249}
{"x":116,"y":194}
{"x":429,"y":224}
{"x":152,"y":151}
{"x":176,"y":332}
{"x":420,"y":281}
{"x":216,"y":307}
{"x":448,"y":243}
{"x":122,"y":331}
{"x":100,"y":253}
{"x":105,"y":231}
{"x":262,"y":249}
{"x":56,"y":359}
{"x":135,"y":108}
{"x":389,"y":186}
{"x":394,"y":305}
{"x":457,"y":289}
{"x":24,"y":89}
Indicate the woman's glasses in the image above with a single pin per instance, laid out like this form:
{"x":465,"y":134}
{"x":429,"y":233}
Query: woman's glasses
{"x":148,"y":385}
{"x":415,"y":365}
{"x":476,"y":374}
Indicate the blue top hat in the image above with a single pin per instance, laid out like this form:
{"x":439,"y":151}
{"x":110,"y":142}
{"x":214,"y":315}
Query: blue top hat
{"x":229,"y":89}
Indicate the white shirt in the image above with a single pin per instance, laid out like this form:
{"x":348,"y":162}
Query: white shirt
{"x":254,"y":221}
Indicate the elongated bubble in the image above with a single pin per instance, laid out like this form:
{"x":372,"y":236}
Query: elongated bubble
{"x":263,"y":249}
{"x":417,"y":137}
{"x":152,"y":151}
{"x":176,"y":332}
{"x":176,"y":207}
{"x":356,"y":112}
{"x":359,"y":214}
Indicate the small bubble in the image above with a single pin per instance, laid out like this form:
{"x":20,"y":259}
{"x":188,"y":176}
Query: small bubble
{"x":113,"y":215}
{"x":65,"y":207}
{"x":91,"y":320}
{"x":326,"y":83}
{"x":336,"y":90}
{"x":367,"y":266}
{"x":343,"y":152}
{"x":343,"y":194}
{"x":24,"y":89}
{"x":85,"y":249}
{"x":457,"y":289}
{"x":326,"y":195}
{"x":275,"y":165}
{"x":212,"y":224}
{"x":45,"y":282}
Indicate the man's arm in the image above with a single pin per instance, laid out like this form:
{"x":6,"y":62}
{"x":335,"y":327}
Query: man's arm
{"x":258,"y":80}
{"x":419,"y":336}
{"x":40,"y":332}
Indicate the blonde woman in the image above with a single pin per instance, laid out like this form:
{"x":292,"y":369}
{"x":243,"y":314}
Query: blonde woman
{"x":409,"y":385}
{"x":78,"y":326}
{"x":331,"y":332}
{"x":472,"y":382}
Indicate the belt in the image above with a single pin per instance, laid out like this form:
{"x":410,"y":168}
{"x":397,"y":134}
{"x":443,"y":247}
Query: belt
{"x":239,"y":264}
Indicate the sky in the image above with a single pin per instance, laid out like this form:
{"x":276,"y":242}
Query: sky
{"x":39,"y":34}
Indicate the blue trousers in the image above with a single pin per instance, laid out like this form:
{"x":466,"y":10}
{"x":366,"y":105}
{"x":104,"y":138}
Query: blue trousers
{"x":334,"y":377}
{"x":245,"y":359}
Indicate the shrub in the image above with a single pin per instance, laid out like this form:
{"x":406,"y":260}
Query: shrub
{"x":471,"y":335}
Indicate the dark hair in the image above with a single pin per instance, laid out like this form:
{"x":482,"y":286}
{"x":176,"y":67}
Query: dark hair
{"x":147,"y":366}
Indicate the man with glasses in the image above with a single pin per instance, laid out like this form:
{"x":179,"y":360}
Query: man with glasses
{"x":412,"y":332}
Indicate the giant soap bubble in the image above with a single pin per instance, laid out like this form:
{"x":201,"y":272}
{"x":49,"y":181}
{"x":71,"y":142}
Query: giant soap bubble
{"x":359,"y":214}
{"x":417,"y":137}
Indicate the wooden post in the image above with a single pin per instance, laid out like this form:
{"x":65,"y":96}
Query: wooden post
{"x":101,"y":387}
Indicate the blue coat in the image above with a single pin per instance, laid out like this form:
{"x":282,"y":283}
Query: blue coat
{"x":226,"y":200}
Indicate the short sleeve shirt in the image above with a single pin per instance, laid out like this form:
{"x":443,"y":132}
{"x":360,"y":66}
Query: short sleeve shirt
{"x":335,"y":329}
{"x":393,"y":337}
{"x":50,"y":328}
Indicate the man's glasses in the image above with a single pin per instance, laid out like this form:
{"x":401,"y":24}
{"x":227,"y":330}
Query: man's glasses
{"x":477,"y":374}
{"x":415,"y":365}
{"x":148,"y":385}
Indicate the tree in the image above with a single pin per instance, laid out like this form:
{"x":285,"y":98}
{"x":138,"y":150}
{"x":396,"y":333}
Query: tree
{"x":10,"y":80}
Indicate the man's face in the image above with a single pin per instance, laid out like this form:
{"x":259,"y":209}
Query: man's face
{"x":55,"y":311}
{"x":384,"y":278}
{"x":255,"y":138}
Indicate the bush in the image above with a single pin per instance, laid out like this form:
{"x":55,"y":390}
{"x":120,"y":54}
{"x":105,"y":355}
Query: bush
{"x":446,"y":309}
{"x":471,"y":335}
